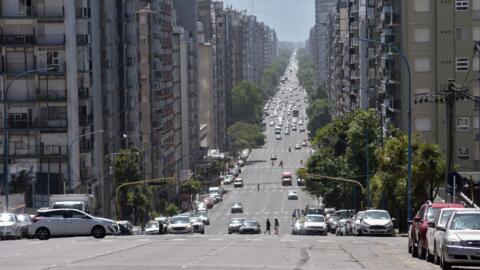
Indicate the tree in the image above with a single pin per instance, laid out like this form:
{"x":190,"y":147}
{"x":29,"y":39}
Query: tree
{"x":171,"y":210}
{"x":318,"y":113}
{"x":245,"y":135}
{"x":247,"y":102}
{"x":139,"y":201}
{"x":191,"y":186}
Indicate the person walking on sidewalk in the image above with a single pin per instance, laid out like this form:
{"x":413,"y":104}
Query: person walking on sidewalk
{"x":267,"y":227}
{"x":276,"y":225}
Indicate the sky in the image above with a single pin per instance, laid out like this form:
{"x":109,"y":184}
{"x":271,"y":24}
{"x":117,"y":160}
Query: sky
{"x":291,"y":19}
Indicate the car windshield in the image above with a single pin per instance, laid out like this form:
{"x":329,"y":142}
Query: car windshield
{"x":377,"y":215}
{"x":6,"y":218}
{"x":465,"y":222}
{"x":179,"y":220}
{"x":432,"y":213}
{"x":314,"y":211}
{"x":315,"y":219}
{"x":250,"y":223}
{"x":236,"y":221}
{"x":196,"y":219}
{"x":77,"y":206}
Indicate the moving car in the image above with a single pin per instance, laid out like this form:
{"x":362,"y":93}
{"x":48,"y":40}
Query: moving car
{"x":204,"y":216}
{"x":315,"y":224}
{"x":234,"y":225}
{"x":461,"y":244}
{"x":238,"y":183}
{"x":286,"y":179}
{"x":70,"y":222}
{"x":376,"y":222}
{"x":304,"y":144}
{"x":249,"y":226}
{"x":10,"y":226}
{"x":293,"y":195}
{"x":198,"y":225}
{"x":237,"y":208}
{"x":298,"y":226}
{"x":298,"y":146}
{"x":124,"y":227}
{"x":300,"y":182}
{"x":278,"y":137}
{"x":417,"y":236}
{"x":178,"y":224}
{"x":273,"y":157}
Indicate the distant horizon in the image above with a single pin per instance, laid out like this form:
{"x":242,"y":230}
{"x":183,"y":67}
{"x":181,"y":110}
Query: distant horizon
{"x":291,"y":19}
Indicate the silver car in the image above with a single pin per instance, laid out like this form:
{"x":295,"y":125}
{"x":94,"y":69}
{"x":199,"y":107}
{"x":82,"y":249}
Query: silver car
{"x":10,"y":226}
{"x":250,"y":226}
{"x":179,"y":224}
{"x":376,"y":222}
{"x":461,"y":240}
{"x":234,"y":225}
{"x":198,"y":225}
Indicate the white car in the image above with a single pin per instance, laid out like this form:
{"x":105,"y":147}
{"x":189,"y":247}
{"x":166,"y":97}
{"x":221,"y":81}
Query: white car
{"x":315,"y":224}
{"x":292,"y":195}
{"x":70,"y":222}
{"x":298,"y":146}
{"x":179,"y":224}
{"x":435,"y":236}
{"x":272,"y":123}
{"x":198,"y":225}
{"x":228,"y":179}
{"x":376,"y":222}
{"x":10,"y":226}
{"x":238,"y":183}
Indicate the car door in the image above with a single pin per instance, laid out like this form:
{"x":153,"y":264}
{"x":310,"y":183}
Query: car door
{"x":55,"y":222}
{"x":77,"y":223}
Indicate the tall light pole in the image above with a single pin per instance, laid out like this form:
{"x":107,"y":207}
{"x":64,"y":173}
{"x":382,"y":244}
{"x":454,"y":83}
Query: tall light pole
{"x":69,"y":153}
{"x":409,"y":119}
{"x":5,"y":125}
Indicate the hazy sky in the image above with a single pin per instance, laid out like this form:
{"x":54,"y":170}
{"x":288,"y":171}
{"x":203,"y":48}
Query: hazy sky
{"x":291,"y":19}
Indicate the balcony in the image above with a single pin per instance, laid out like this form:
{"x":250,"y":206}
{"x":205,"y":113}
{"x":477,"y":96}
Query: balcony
{"x":20,"y":150}
{"x":35,"y":11}
{"x":20,"y":124}
{"x":32,"y":40}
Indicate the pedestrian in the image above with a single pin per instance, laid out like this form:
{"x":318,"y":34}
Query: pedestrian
{"x":267,"y":227}
{"x":276,"y":226}
{"x":160,"y":227}
{"x":294,"y":214}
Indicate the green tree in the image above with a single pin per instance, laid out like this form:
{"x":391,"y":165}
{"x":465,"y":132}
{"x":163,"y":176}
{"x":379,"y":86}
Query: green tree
{"x":245,"y":135}
{"x":191,"y":186}
{"x":171,"y":210}
{"x":318,"y":113}
{"x":139,"y":202}
{"x":247,"y":102}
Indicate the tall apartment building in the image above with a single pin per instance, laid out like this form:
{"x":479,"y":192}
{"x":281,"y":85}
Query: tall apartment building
{"x":438,"y":38}
{"x":47,"y":69}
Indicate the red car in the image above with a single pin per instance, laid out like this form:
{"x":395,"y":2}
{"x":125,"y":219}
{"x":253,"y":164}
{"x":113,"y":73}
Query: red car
{"x":209,"y":202}
{"x":417,"y":235}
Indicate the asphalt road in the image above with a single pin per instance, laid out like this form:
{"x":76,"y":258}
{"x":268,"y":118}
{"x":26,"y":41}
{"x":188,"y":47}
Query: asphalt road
{"x":217,"y":249}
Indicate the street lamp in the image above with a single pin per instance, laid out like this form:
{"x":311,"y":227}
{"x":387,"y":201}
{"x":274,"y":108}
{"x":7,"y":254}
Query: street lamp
{"x":69,"y":153}
{"x":5,"y":124}
{"x":409,"y":165}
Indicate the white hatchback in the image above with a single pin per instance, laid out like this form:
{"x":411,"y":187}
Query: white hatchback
{"x":70,"y":222}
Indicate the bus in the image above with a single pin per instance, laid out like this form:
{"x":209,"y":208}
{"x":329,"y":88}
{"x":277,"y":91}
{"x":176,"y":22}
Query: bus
{"x":286,"y":179}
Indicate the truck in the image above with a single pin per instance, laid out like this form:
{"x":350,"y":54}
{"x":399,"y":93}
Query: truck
{"x":82,"y":202}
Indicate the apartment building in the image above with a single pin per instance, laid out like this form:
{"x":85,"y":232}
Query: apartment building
{"x":46,"y":76}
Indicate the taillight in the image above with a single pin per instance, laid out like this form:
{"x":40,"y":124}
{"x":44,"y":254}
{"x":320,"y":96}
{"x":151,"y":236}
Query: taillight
{"x":36,"y":218}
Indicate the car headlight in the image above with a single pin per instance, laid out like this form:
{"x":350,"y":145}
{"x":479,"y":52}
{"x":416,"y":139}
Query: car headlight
{"x":189,"y":226}
{"x":453,"y":241}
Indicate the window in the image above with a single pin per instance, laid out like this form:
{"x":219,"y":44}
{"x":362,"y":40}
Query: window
{"x":461,"y":33}
{"x":421,"y":6}
{"x":463,"y":123}
{"x":462,"y":64}
{"x":421,"y":35}
{"x":423,"y":124}
{"x":463,"y":152}
{"x":461,"y":5}
{"x":422,"y":65}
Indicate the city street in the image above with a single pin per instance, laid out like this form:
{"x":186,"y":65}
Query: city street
{"x":219,"y":250}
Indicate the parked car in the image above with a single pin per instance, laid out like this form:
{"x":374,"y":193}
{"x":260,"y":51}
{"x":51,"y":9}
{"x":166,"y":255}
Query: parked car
{"x":376,"y":222}
{"x":228,"y":179}
{"x":153,"y":227}
{"x":356,"y":223}
{"x":10,"y":226}
{"x":298,"y":226}
{"x":178,"y":224}
{"x":461,"y":244}
{"x":238,"y":183}
{"x":417,"y":236}
{"x":204,"y":216}
{"x":70,"y":222}
{"x":435,"y":235}
{"x":25,"y":221}
{"x":315,"y":224}
{"x":237,"y":208}
{"x":234,"y":225}
{"x":208,"y":202}
{"x":164,"y":221}
{"x":293,"y":195}
{"x":201,"y":206}
{"x":124,"y":227}
{"x":198,"y":225}
{"x":250,"y":226}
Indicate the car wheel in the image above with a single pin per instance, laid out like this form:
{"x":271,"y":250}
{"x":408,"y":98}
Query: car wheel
{"x":202,"y":232}
{"x":229,"y":232}
{"x":42,"y":233}
{"x":98,"y":232}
